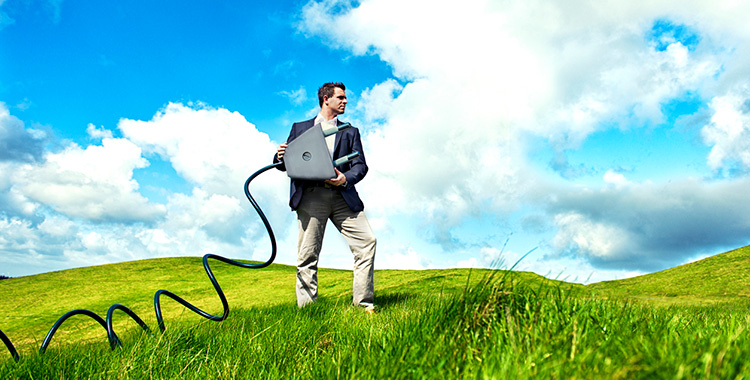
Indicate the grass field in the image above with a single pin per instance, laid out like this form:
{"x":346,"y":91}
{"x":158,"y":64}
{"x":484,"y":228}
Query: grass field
{"x":442,"y":324}
{"x":719,"y":279}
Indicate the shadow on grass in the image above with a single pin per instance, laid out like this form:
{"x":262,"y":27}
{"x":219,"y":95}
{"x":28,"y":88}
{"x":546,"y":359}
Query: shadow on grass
{"x":392,"y":299}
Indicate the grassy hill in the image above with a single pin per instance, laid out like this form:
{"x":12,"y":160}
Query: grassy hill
{"x":720,"y":279}
{"x":30,"y":305}
{"x":437,"y":324}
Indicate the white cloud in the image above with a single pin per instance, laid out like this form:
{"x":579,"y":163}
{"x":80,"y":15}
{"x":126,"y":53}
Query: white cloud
{"x":468,"y":263}
{"x":216,"y":150}
{"x":599,"y":240}
{"x":13,"y":202}
{"x":377,"y":102}
{"x":212,"y":148}
{"x":16,"y":142}
{"x":650,"y":226}
{"x":95,"y":183}
{"x":452,"y":137}
{"x":616,"y":179}
{"x":489,"y":257}
{"x":729,"y":131}
{"x":57,"y":226}
{"x":626,"y":83}
{"x":447,"y":137}
{"x":296,"y":97}
{"x":219,"y":216}
{"x":97,"y":133}
{"x":24,"y":250}
{"x":405,"y":258}
{"x":81,"y":206}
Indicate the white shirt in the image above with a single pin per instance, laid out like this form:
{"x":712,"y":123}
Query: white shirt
{"x":330,"y":140}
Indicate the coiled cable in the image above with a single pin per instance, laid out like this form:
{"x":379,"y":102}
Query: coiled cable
{"x":114,"y":340}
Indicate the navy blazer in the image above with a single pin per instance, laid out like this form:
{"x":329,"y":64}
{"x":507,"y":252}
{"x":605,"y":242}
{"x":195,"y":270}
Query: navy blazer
{"x":347,"y":141}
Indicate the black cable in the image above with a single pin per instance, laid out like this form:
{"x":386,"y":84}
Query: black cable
{"x":114,"y":341}
{"x":9,"y":344}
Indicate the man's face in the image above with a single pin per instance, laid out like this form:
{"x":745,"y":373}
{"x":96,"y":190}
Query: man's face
{"x":336,"y":103}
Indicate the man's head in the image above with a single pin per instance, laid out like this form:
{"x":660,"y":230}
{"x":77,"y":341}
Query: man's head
{"x":332,"y":98}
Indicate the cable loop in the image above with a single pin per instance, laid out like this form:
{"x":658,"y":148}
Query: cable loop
{"x":114,"y":340}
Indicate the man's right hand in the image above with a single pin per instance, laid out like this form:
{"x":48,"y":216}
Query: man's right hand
{"x":280,"y":151}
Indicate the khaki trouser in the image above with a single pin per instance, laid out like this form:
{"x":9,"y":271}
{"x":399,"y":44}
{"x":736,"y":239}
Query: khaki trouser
{"x":317,"y":206}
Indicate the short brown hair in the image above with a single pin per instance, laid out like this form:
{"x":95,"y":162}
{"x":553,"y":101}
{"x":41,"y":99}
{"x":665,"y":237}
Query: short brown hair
{"x":327,"y":90}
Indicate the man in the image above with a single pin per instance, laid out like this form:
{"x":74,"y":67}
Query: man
{"x":336,"y":199}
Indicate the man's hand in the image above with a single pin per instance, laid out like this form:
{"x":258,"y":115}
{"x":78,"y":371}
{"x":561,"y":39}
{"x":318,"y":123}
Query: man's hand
{"x":280,"y":152}
{"x":339,"y":180}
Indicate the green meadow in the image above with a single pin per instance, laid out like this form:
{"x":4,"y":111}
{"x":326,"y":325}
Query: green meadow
{"x":688,"y":322}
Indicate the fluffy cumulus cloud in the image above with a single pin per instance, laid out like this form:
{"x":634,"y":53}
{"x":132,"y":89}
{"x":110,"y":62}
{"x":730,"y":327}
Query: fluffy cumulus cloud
{"x":429,"y":123}
{"x":475,"y":82}
{"x":729,"y":131}
{"x":16,"y":142}
{"x":215,"y":150}
{"x":94,"y":183}
{"x":652,"y":224}
{"x":82,"y":205}
{"x":212,"y":148}
{"x":404,"y":258}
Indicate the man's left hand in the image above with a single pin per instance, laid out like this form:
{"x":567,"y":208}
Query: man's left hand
{"x":339,"y":180}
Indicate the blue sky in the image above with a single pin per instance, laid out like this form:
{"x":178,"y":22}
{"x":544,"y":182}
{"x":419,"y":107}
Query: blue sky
{"x":612,"y":139}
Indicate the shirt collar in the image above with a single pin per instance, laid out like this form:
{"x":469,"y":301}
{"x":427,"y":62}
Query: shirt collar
{"x":320,"y":119}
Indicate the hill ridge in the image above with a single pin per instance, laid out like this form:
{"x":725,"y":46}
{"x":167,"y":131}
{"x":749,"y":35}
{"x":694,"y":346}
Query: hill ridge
{"x":720,"y":278}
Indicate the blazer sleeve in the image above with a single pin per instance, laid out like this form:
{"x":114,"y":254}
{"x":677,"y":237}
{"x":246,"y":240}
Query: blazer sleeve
{"x":292,"y":135}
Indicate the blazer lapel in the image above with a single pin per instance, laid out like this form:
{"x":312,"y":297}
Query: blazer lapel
{"x":307,"y":125}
